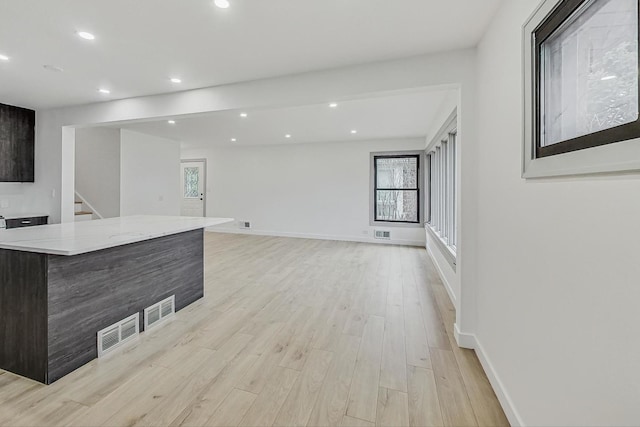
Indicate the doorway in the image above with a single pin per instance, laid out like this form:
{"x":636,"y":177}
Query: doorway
{"x":193,"y":175}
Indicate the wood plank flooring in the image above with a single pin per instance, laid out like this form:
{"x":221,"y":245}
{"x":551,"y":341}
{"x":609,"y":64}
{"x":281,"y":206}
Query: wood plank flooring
{"x":291,"y":332}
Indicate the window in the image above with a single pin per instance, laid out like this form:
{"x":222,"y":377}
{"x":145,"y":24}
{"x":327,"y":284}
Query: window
{"x":585,"y":76}
{"x":441,"y":178}
{"x":191,"y":182}
{"x":396,"y":188}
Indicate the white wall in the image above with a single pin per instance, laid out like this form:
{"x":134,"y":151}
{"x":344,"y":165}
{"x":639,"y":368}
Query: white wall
{"x":127,"y":173}
{"x":316,"y":190}
{"x":97,"y":166}
{"x":558,"y":263}
{"x":150,"y":175}
{"x":14,"y":198}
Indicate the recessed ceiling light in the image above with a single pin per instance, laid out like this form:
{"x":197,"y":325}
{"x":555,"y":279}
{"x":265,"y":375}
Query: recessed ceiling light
{"x":222,"y":4}
{"x":53,"y":68}
{"x":171,"y":122}
{"x":175,"y":80}
{"x":287,"y":136}
{"x":233,"y":140}
{"x":333,"y":105}
{"x":105,"y":91}
{"x":85,"y":35}
{"x":243,"y":114}
{"x":354,"y":131}
{"x":4,"y":57}
{"x":608,"y":77}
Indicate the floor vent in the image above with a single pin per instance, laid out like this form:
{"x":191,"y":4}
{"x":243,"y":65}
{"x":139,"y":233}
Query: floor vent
{"x":382,"y":234}
{"x":117,"y":334}
{"x":160,"y":311}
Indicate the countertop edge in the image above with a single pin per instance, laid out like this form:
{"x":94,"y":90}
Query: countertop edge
{"x":130,"y":240}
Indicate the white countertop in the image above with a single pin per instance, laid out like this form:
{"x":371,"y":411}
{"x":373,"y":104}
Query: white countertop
{"x":87,"y":236}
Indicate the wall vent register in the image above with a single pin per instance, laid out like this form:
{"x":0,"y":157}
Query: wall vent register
{"x":383,"y":234}
{"x":160,"y":311}
{"x":117,"y":334}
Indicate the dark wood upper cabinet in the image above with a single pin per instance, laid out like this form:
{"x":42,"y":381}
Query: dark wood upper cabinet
{"x":17,"y":144}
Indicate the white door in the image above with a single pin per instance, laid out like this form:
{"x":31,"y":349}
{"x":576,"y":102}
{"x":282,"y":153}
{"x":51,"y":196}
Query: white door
{"x":193,"y":187}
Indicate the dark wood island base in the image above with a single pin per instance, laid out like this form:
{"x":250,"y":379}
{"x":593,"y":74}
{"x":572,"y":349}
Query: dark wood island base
{"x":52,"y":306}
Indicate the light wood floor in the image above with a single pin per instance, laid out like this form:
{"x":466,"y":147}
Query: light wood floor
{"x":291,"y":332}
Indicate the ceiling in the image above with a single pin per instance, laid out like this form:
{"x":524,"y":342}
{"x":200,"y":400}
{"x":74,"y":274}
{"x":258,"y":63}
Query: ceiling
{"x":141,"y":44}
{"x":400,"y":115}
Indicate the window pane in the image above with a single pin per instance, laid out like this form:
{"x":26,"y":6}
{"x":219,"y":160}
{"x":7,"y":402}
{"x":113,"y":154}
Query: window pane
{"x":434,"y":189}
{"x":191,"y":180}
{"x":397,"y":205}
{"x":397,"y":172}
{"x":427,"y":200}
{"x":453,"y":240}
{"x":444,"y":229}
{"x":590,"y":71}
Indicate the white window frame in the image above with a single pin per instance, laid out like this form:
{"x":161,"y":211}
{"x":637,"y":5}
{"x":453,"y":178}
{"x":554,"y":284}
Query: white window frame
{"x":442,"y":188}
{"x":618,"y":157}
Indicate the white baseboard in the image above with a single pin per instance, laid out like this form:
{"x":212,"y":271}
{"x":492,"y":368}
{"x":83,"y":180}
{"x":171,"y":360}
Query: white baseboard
{"x":471,"y":341}
{"x":446,"y":283}
{"x":464,"y":340}
{"x":317,"y":236}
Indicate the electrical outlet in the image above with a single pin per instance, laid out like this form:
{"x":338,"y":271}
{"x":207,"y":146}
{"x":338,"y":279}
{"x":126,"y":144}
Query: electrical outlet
{"x":244,"y":224}
{"x":365,"y":232}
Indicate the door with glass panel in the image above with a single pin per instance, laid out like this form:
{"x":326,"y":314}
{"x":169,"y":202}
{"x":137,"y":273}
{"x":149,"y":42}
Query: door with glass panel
{"x":193,"y":173}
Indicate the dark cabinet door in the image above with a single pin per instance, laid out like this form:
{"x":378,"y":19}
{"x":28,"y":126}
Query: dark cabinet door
{"x":27,"y":222}
{"x":17,"y":144}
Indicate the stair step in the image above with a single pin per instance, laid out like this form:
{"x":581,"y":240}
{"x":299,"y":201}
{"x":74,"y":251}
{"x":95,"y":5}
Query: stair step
{"x":84,"y":213}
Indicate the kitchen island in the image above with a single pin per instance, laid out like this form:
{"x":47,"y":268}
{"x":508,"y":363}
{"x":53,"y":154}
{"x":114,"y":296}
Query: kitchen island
{"x":61,"y":284}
